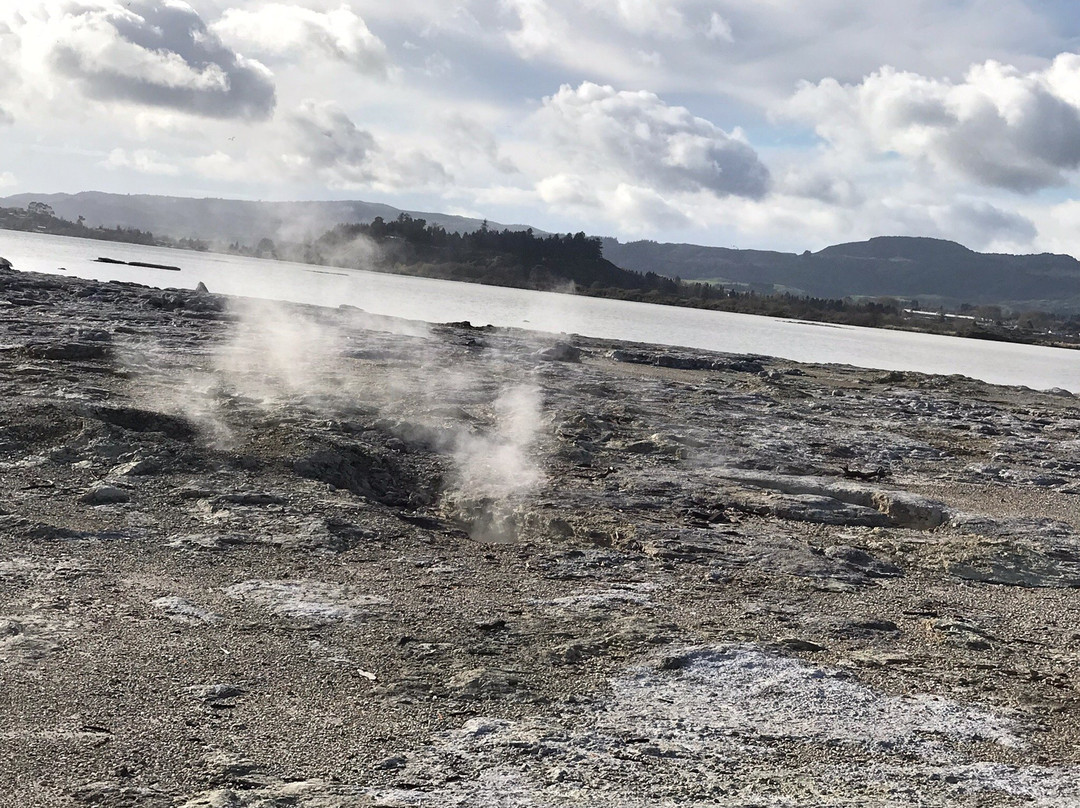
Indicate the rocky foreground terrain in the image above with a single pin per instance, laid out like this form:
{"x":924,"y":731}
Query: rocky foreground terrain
{"x":264,"y":555}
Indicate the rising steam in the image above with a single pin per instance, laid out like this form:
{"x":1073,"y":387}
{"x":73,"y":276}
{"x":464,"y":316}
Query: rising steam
{"x":290,"y":359}
{"x":497,"y":464}
{"x":276,"y":353}
{"x":496,"y":470}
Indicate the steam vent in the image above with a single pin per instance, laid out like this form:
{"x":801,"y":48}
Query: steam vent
{"x":258,"y":554}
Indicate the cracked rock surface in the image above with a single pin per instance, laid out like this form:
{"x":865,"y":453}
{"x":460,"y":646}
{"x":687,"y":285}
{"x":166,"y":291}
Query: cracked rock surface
{"x":257,"y":554}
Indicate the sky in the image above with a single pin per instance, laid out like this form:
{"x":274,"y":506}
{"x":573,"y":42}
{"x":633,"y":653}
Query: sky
{"x":766,"y":124}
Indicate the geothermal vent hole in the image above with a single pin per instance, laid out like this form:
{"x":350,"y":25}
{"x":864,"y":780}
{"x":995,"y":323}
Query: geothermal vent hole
{"x":138,"y":420}
{"x":369,"y":474}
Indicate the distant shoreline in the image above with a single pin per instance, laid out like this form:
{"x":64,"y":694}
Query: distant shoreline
{"x":784,"y":307}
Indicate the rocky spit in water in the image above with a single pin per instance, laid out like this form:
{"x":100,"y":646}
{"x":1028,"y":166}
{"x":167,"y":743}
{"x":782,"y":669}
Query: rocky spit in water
{"x":257,"y":554}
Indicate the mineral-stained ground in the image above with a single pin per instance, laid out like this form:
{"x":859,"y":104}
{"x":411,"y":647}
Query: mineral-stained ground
{"x":256,"y":554}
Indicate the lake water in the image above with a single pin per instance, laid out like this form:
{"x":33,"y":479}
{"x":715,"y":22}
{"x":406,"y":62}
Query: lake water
{"x":444,"y":301}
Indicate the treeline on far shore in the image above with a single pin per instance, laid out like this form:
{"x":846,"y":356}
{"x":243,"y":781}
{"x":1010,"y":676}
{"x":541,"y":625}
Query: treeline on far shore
{"x":572,"y":263}
{"x":575,"y":262}
{"x":37,"y":217}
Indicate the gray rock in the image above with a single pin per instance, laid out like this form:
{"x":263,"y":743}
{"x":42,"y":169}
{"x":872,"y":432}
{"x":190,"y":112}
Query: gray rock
{"x":898,"y":508}
{"x":10,"y":628}
{"x":105,"y":495}
{"x":235,"y":770}
{"x":137,"y":468}
{"x":560,"y":352}
{"x":252,"y":498}
{"x":910,"y":510}
{"x":69,"y":351}
{"x":392,"y":763}
{"x":799,"y":645}
{"x":115,"y":792}
{"x":484,"y":682}
{"x":183,"y":610}
{"x":964,"y":633}
{"x":366,"y":473}
{"x":864,"y":628}
{"x":259,"y":792}
{"x":809,"y":508}
{"x":865,"y":563}
{"x":218,"y":798}
{"x":1024,"y":567}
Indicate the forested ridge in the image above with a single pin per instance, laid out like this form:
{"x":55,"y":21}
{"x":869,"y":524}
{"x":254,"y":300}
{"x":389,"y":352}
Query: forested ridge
{"x":502,"y":257}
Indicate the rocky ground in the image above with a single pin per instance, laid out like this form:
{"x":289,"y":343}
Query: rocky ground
{"x":265,"y":555}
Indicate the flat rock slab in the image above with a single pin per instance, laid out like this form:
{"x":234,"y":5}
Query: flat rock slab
{"x":305,"y":600}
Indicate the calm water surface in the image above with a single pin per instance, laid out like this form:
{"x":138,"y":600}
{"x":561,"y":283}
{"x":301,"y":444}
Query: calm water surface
{"x":443,"y":301}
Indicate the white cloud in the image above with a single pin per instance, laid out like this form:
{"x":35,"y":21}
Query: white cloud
{"x":644,"y":210}
{"x":1059,"y":227}
{"x":755,"y":51}
{"x":981,"y":225}
{"x":222,"y":166}
{"x":976,"y":224}
{"x":821,"y":183}
{"x":631,"y":160}
{"x":649,"y":18}
{"x":503,"y":195}
{"x":281,"y":30}
{"x":540,"y":29}
{"x":145,"y":161}
{"x":719,"y":28}
{"x":7,"y":179}
{"x":999,"y":126}
{"x":156,"y":124}
{"x":468,"y":137}
{"x":153,"y":53}
{"x":652,"y":58}
{"x":567,"y":189}
{"x":328,"y":144}
{"x":634,"y":137}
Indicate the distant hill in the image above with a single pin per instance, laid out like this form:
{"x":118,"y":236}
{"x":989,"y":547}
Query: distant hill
{"x":228,"y":220}
{"x":932,"y":271}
